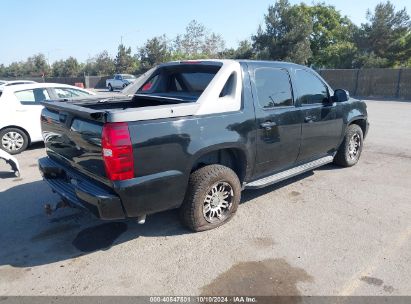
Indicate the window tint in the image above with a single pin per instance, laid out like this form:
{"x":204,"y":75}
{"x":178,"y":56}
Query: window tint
{"x":35,"y":95}
{"x":149,"y":84}
{"x":310,"y":88}
{"x":273,"y":87}
{"x":229,"y":86}
{"x":69,"y":93}
{"x":181,"y":81}
{"x":197,"y":82}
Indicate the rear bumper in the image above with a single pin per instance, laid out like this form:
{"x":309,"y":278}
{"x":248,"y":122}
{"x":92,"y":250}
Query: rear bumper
{"x":76,"y":189}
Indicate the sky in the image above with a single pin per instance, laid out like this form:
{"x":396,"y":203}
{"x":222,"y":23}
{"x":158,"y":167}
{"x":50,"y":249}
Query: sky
{"x":82,"y":29}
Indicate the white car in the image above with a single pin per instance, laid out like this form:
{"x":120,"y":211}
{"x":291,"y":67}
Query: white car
{"x":20,"y":111}
{"x":120,"y":81}
{"x":6,"y":83}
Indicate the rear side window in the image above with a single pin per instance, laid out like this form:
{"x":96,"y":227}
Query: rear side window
{"x":273,"y":88}
{"x":32,"y":96}
{"x":311,"y":89}
{"x":229,"y":87}
{"x":149,"y":84}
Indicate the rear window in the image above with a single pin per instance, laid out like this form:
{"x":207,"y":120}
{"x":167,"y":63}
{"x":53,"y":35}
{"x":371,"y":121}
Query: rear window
{"x":180,"y":80}
{"x":197,"y":82}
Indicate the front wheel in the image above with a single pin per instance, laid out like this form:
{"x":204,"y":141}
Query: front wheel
{"x":212,"y":198}
{"x":110,"y":88}
{"x":350,"y":150}
{"x":13,"y":140}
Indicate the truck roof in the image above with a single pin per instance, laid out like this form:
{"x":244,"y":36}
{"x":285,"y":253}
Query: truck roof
{"x":284,"y":64}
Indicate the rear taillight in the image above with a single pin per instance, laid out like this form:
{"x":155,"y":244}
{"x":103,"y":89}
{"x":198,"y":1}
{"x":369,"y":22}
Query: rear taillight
{"x":117,"y":151}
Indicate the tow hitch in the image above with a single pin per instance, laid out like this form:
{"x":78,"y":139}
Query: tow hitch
{"x":48,"y":209}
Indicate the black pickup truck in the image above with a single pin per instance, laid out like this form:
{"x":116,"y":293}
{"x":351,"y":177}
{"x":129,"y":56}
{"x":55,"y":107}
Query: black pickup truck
{"x":194,"y":134}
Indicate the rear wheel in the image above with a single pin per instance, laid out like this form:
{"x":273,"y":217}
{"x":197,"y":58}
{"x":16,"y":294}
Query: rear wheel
{"x":212,"y":198}
{"x":110,"y":88}
{"x":350,"y":150}
{"x":13,"y":140}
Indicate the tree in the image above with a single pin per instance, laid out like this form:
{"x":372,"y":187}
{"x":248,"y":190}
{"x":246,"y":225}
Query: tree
{"x":286,"y":35}
{"x":71,"y":67}
{"x":104,"y":64}
{"x":124,"y":62}
{"x":213,"y":45}
{"x":386,"y":36}
{"x":36,"y":66}
{"x":192,"y":42}
{"x":197,"y":42}
{"x":15,"y":69}
{"x":243,"y":51}
{"x":2,"y":70}
{"x":332,"y":39}
{"x":66,"y":68}
{"x":153,"y":52}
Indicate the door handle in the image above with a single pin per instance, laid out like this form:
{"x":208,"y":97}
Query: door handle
{"x":310,"y":119}
{"x":268,"y":125}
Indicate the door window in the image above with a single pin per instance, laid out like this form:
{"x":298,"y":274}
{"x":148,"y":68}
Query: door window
{"x":273,"y":88}
{"x":32,"y":96}
{"x":311,"y":89}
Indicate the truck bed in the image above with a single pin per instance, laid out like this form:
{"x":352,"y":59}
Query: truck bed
{"x":139,"y":107}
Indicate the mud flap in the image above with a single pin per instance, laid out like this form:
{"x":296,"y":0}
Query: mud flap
{"x":12,"y":161}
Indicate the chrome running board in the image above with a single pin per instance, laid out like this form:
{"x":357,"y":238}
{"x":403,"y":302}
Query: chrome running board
{"x":278,"y":177}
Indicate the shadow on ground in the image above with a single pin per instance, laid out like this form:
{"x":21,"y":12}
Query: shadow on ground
{"x":30,"y":238}
{"x":36,"y":145}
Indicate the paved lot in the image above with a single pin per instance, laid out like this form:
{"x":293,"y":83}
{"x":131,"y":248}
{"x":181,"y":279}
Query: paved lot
{"x":330,"y":232}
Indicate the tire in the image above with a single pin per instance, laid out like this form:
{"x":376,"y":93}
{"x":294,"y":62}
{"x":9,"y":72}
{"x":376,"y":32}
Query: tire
{"x":110,"y":88}
{"x":203,"y":183}
{"x":13,"y":140}
{"x":124,"y":85}
{"x":350,"y":150}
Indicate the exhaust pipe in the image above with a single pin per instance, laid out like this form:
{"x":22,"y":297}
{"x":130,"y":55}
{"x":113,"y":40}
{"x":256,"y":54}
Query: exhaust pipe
{"x":141,"y":219}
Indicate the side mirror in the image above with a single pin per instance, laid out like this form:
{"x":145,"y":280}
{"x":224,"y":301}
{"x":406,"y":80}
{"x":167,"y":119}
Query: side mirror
{"x":341,"y":95}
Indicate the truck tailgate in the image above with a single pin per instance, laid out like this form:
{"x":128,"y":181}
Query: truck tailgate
{"x":75,"y":141}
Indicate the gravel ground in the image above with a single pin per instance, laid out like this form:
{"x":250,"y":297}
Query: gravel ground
{"x":332,"y":231}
